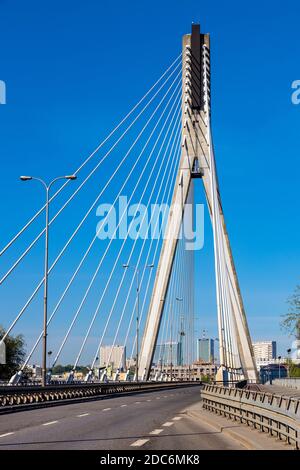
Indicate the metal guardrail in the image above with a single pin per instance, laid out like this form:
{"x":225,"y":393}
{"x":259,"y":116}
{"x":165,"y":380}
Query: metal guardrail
{"x":277,"y":415}
{"x":292,"y":382}
{"x":17,"y":398}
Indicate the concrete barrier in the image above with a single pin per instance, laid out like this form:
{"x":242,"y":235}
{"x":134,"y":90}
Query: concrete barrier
{"x":293,"y":383}
{"x":277,"y":415}
{"x":17,"y":398}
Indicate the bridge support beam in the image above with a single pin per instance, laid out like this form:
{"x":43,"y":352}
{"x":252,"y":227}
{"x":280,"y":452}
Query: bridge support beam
{"x":192,"y":140}
{"x":197,"y":160}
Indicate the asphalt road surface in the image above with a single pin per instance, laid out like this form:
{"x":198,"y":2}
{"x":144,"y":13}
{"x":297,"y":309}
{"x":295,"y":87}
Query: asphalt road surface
{"x":146,"y":421}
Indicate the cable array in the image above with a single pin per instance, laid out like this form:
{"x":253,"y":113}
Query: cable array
{"x":94,"y":299}
{"x":174,"y":345}
{"x":141,"y":161}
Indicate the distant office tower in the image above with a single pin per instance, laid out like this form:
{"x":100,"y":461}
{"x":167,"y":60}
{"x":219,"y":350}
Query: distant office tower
{"x":264,"y":351}
{"x":206,"y":350}
{"x":168,"y":352}
{"x":113,"y":356}
{"x":159,"y":355}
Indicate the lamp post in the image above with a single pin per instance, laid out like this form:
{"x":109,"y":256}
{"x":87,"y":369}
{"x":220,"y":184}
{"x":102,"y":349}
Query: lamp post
{"x":289,"y":360}
{"x":137,"y":273}
{"x":47,"y":189}
{"x":181,"y":336}
{"x":49,"y":355}
{"x":178,"y":299}
{"x":279,"y":372}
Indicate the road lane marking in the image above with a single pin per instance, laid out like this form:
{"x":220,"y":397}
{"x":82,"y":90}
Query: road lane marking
{"x":157,"y":398}
{"x":139,"y":442}
{"x":168,"y":423}
{"x":83,"y":414}
{"x":156,"y":431}
{"x":177,"y":418}
{"x":137,"y":402}
{"x":7,"y":434}
{"x":149,"y":400}
{"x":50,"y":422}
{"x":106,"y":409}
{"x":165,"y":396}
{"x":122,"y":406}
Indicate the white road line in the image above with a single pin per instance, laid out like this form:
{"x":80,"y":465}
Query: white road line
{"x":165,"y":396}
{"x":106,"y":409}
{"x":157,"y":398}
{"x":7,"y":434}
{"x":122,"y":406}
{"x":137,"y":402}
{"x":156,"y":431}
{"x":177,"y":418}
{"x":168,"y":423}
{"x":139,"y":442}
{"x":50,"y":422}
{"x":83,"y":414}
{"x":149,"y":400}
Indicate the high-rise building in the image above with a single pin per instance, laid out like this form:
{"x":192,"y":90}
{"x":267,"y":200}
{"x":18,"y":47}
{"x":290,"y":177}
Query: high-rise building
{"x":113,"y":356}
{"x":264,"y":351}
{"x":206,"y":350}
{"x":168,"y":352}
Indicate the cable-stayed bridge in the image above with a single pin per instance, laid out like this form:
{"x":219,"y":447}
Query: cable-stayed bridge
{"x":129,"y":243}
{"x":118,"y":280}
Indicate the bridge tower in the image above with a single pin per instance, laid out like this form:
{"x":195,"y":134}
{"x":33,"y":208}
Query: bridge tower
{"x":197,"y":161}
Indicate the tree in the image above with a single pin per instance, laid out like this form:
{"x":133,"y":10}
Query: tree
{"x":15,"y":354}
{"x":294,"y":370}
{"x":291,"y":321}
{"x":59,"y":369}
{"x":206,"y":379}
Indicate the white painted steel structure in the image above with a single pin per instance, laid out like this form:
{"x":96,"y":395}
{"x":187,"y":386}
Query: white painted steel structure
{"x":236,"y":355}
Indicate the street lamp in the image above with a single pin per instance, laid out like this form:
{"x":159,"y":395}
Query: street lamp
{"x":47,"y":189}
{"x":289,"y":360}
{"x":49,"y":355}
{"x":178,"y":299}
{"x":137,"y":273}
{"x":279,"y":371}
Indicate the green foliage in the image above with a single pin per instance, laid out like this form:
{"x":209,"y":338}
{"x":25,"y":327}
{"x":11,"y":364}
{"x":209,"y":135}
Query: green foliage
{"x":206,"y":379}
{"x":15,"y":355}
{"x":291,"y":320}
{"x":294,"y":370}
{"x":59,"y":369}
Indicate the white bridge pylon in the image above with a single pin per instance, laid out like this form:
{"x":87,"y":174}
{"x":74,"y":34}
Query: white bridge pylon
{"x":197,"y":160}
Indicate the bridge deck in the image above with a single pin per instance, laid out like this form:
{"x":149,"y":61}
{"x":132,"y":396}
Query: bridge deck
{"x":165,"y":419}
{"x":280,"y":390}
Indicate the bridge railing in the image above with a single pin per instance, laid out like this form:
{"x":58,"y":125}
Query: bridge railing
{"x":277,"y":415}
{"x":289,"y":382}
{"x":18,"y":398}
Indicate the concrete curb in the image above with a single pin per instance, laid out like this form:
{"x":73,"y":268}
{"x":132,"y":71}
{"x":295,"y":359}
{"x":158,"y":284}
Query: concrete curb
{"x":248,"y":443}
{"x":245,"y":442}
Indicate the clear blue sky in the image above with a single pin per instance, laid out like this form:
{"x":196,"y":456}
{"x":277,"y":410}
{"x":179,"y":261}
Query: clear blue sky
{"x":73,"y":69}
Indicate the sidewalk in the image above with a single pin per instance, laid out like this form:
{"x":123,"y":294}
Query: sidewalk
{"x":281,"y":390}
{"x":249,"y":438}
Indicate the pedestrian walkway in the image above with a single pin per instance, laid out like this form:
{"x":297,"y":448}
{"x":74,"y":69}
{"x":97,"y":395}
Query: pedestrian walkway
{"x":250,"y":438}
{"x":281,"y":390}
